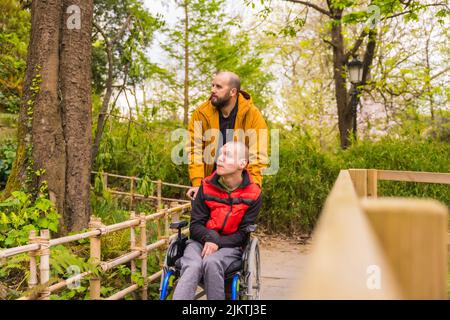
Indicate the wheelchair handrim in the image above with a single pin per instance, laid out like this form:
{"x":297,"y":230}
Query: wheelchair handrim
{"x":235,"y":288}
{"x":165,"y":285}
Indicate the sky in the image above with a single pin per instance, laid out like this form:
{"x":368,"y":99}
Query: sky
{"x":171,"y":14}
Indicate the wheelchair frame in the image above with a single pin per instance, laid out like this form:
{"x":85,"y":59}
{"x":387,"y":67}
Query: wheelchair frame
{"x":245,"y":283}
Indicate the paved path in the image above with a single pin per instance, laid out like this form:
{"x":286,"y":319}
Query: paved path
{"x":282,"y":263}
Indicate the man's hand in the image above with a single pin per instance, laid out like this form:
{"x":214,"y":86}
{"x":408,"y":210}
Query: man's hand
{"x":192,"y":193}
{"x":209,"y":248}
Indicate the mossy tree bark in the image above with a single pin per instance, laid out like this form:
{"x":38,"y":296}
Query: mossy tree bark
{"x":54,"y":132}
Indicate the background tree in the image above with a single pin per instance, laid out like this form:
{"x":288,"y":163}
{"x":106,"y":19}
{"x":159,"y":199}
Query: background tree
{"x":342,"y":14}
{"x":206,"y":40}
{"x":14,"y":34}
{"x":123,"y":31}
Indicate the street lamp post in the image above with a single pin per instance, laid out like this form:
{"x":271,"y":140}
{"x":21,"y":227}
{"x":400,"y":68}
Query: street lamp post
{"x":355,"y":72}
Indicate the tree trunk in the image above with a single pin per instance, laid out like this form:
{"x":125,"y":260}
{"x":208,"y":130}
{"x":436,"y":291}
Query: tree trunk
{"x":105,"y":104}
{"x":339,"y":61}
{"x":40,"y":134}
{"x":427,"y":86}
{"x":55,"y":116}
{"x":47,"y":137}
{"x":75,"y":82}
{"x":369,"y":54}
{"x":109,"y":43}
{"x":186,"y":64}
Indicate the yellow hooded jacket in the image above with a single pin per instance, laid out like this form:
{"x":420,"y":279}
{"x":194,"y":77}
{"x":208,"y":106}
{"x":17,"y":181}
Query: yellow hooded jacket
{"x":204,"y":132}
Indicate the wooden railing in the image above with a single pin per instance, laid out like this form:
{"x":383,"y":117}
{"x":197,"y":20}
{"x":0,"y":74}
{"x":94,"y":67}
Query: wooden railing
{"x":38,"y":248}
{"x":366,"y":247}
{"x":133,"y":195}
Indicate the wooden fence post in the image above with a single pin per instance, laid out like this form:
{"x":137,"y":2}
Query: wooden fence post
{"x":143,"y":257}
{"x":166,"y":223}
{"x":132,"y":193}
{"x":175,"y":215}
{"x":32,"y":280}
{"x":372,"y":183}
{"x":132,"y":242}
{"x":44,"y":264}
{"x":95,"y":246}
{"x":359,"y":179}
{"x":105,"y":181}
{"x":159,"y":194}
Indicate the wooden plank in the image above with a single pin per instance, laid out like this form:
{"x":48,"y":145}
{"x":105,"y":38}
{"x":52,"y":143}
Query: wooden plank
{"x":413,"y":176}
{"x":372,"y":183}
{"x":32,"y":279}
{"x":136,"y":178}
{"x":143,"y":247}
{"x":413,"y":234}
{"x":132,"y":244}
{"x":75,"y":237}
{"x":44,"y":263}
{"x":120,"y":260}
{"x":343,"y":252}
{"x":17,"y":250}
{"x":143,"y":197}
{"x":121,"y":294}
{"x":64,"y":283}
{"x":359,"y":179}
{"x":95,"y":256}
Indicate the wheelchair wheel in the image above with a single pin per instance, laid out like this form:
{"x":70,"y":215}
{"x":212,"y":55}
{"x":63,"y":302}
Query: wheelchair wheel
{"x":235,"y":287}
{"x":252,"y":272}
{"x":167,"y":285}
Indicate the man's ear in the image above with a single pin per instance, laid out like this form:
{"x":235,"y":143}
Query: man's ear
{"x":234,"y":91}
{"x":242,"y":164}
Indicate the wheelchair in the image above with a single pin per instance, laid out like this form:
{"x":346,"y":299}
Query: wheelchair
{"x":242,"y":278}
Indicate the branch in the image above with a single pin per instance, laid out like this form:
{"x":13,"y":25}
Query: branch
{"x":410,"y":11}
{"x":99,"y":29}
{"x":439,"y":73}
{"x":356,"y":46}
{"x":311,"y":5}
{"x":118,"y":35}
{"x":122,"y":30}
{"x":329,"y":42}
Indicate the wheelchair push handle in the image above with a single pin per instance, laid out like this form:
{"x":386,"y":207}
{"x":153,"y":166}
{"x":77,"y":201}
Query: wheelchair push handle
{"x":178,"y":225}
{"x":251,"y":228}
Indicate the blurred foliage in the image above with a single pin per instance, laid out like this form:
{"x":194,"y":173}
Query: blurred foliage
{"x":7,"y":156}
{"x":14,"y":34}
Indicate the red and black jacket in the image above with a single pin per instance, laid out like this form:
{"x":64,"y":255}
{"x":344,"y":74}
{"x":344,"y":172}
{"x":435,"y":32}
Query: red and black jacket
{"x":223,"y":217}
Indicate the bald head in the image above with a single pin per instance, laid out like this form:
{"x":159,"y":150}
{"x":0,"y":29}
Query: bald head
{"x":232,"y":79}
{"x":240,"y":150}
{"x":233,"y":158}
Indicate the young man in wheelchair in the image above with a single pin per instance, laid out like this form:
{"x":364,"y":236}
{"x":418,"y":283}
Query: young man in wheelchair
{"x":226,"y":204}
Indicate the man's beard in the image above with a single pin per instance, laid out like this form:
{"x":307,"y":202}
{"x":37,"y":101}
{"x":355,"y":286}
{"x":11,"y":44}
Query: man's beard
{"x":219,"y":103}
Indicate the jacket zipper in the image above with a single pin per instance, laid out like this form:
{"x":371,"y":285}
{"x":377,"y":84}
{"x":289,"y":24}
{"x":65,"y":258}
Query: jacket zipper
{"x":228,"y":213}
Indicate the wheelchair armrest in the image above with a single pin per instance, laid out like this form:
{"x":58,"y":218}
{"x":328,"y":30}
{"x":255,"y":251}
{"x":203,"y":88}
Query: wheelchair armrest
{"x":251,"y":228}
{"x":178,"y":224}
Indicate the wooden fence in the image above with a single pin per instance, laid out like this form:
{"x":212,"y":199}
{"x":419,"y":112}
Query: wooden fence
{"x":133,"y":195}
{"x":38,"y":247}
{"x":365,"y":247}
